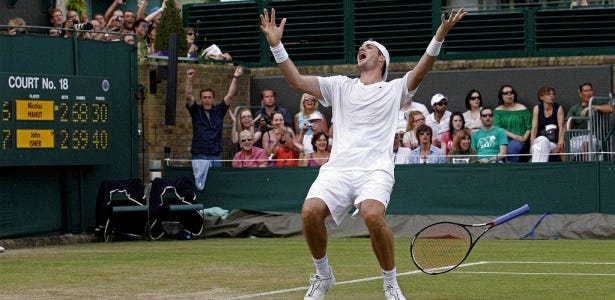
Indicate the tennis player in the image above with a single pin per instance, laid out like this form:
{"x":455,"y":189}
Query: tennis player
{"x":359,"y":173}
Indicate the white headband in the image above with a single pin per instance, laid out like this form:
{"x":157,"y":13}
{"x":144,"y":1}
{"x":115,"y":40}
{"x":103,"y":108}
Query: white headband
{"x":384,"y":52}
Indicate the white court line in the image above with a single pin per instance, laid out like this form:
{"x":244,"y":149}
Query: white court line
{"x":304,"y":288}
{"x":454,"y":272}
{"x":537,"y":273}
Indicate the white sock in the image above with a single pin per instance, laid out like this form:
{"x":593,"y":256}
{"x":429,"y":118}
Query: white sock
{"x":322,"y":267}
{"x":390,"y":277}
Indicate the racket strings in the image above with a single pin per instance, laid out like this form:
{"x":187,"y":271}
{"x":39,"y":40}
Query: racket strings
{"x":441,"y":247}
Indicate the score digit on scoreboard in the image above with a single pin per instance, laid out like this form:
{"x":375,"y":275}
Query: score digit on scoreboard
{"x":54,"y":120}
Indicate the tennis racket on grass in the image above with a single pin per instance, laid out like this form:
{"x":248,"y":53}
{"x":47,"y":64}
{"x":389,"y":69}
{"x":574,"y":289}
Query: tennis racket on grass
{"x":443,"y":246}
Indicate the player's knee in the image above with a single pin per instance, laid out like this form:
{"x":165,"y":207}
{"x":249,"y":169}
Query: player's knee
{"x":314,"y":208}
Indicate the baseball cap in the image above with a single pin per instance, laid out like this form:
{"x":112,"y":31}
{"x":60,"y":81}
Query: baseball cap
{"x":384,"y":52}
{"x":437,"y":98}
{"x":315,"y":116}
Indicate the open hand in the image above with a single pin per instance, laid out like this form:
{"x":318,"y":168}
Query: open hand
{"x":270,"y":29}
{"x":447,"y":24}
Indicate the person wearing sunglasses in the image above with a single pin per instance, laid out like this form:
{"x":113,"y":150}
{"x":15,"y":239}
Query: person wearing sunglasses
{"x":426,"y":153}
{"x":307,"y":106}
{"x":474,"y":103}
{"x":440,"y":117}
{"x":249,"y":156}
{"x":190,"y":39}
{"x":490,"y":141}
{"x":516,"y":120}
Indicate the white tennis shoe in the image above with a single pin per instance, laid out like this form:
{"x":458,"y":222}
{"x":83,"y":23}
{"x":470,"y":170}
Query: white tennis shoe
{"x":393,"y":293}
{"x":319,"y":286}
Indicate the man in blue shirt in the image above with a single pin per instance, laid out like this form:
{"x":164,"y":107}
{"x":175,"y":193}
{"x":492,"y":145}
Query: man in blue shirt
{"x":207,"y":121}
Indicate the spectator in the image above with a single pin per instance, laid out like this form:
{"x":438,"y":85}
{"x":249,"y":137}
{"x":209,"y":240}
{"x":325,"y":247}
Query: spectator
{"x":56,"y":18}
{"x":286,"y":152}
{"x":404,"y":113}
{"x":141,"y":28}
{"x":271,"y":138}
{"x":462,"y":152}
{"x":114,"y":28}
{"x":426,"y":153}
{"x":580,"y":144}
{"x":72,"y":16}
{"x":320,"y":155}
{"x":438,"y":120}
{"x":129,"y":21}
{"x":17,"y":26}
{"x":268,"y":106}
{"x":489,"y":141}
{"x":190,"y":38}
{"x":516,"y":121}
{"x":128,"y":15}
{"x":151,"y":37}
{"x":415,"y":120}
{"x":249,"y":156}
{"x":474,"y":103}
{"x":246,"y":122}
{"x":101,"y":20}
{"x":97,"y":32}
{"x":128,"y":39}
{"x":207,"y":122}
{"x":547,"y":134}
{"x":307,"y":105}
{"x":456,"y":123}
{"x":401,"y":155}
{"x":314,"y":125}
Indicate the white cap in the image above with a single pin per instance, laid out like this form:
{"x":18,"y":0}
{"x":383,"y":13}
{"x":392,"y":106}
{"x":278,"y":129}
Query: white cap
{"x":384,"y":52}
{"x":437,"y":98}
{"x":315,"y":116}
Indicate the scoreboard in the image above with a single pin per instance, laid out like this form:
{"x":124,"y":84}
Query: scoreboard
{"x":55,"y":120}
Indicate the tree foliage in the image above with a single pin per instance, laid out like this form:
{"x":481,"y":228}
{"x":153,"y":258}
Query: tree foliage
{"x":80,"y":6}
{"x":170,"y":22}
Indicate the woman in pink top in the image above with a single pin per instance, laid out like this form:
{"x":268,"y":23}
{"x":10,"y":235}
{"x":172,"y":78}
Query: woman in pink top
{"x":320,"y":142}
{"x":456,"y":123}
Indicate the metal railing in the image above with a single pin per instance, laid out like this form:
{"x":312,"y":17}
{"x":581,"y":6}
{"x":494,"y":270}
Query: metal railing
{"x":593,"y":140}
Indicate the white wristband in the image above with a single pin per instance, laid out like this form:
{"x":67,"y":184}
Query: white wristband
{"x":279,"y":53}
{"x":434,"y":47}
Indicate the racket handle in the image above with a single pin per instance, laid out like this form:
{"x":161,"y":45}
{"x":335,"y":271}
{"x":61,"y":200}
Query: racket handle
{"x":511,"y":215}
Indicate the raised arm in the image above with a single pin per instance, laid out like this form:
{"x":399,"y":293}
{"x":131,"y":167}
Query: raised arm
{"x":429,"y":58}
{"x":232,"y":90}
{"x":273,"y":33}
{"x":189,"y":97}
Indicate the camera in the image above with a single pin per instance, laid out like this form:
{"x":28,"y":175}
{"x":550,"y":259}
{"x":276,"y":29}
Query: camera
{"x":83,"y":26}
{"x":120,"y":18}
{"x":308,"y":125}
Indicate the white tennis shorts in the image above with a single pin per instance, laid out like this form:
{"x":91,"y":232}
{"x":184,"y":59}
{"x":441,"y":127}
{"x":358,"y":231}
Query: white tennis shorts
{"x":342,"y":190}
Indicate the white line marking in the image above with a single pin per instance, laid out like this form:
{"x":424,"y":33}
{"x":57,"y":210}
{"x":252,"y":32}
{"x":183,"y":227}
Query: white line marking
{"x":304,"y":288}
{"x":456,"y":272}
{"x":537,"y":273}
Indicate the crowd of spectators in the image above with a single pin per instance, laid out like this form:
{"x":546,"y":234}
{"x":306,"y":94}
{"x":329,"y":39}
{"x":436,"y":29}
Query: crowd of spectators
{"x":509,"y":132}
{"x":117,"y":24}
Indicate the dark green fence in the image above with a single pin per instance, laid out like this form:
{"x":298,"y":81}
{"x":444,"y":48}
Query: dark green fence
{"x":476,"y":189}
{"x":329,"y":32}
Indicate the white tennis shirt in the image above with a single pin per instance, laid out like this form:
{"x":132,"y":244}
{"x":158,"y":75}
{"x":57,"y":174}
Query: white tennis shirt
{"x":364,"y":121}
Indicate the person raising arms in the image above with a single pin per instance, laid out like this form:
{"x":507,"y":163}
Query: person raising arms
{"x":359,"y":173}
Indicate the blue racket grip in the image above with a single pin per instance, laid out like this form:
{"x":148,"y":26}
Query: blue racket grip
{"x":511,"y":215}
